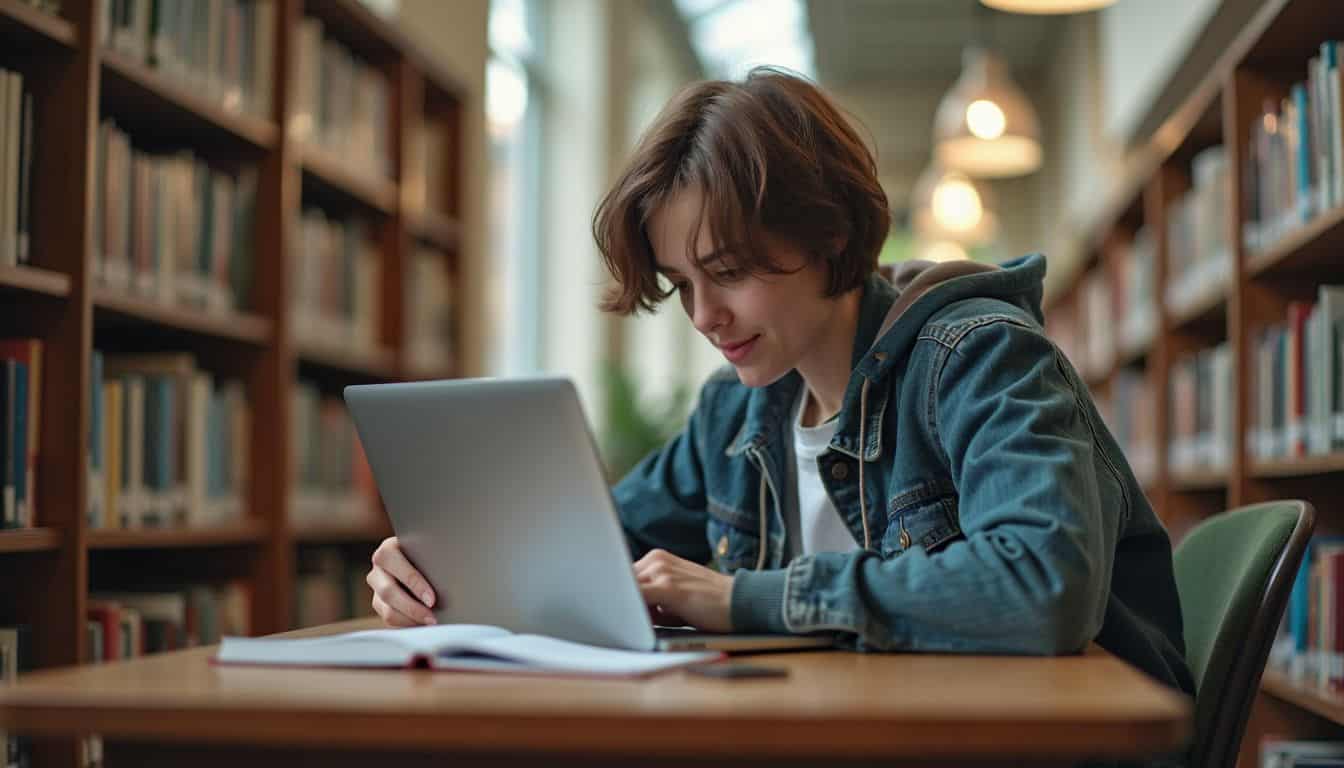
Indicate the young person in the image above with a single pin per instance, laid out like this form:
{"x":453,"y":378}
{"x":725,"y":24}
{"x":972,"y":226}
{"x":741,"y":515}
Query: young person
{"x":909,"y":465}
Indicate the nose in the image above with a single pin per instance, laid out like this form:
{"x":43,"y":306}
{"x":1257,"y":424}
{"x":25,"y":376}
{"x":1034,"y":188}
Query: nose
{"x":708,"y":312}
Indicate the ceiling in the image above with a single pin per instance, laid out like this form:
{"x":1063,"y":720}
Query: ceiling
{"x":889,"y":62}
{"x":920,"y":40}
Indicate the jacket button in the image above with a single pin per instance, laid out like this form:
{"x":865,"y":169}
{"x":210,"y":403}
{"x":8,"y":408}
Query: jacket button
{"x":905,"y":539}
{"x":723,"y":546}
{"x":839,"y":470}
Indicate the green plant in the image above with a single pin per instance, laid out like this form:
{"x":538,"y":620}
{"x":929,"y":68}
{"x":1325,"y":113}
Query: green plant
{"x":634,"y":427}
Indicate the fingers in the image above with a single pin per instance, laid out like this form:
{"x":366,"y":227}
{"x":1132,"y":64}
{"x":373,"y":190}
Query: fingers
{"x":391,"y":593}
{"x":391,"y":616}
{"x":390,"y":558}
{"x":664,"y":618}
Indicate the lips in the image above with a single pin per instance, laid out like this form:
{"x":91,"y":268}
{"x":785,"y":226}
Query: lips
{"x":730,"y":346}
{"x":737,"y":352}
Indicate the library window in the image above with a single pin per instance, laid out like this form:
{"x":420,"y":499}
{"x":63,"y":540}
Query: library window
{"x":514,"y":113}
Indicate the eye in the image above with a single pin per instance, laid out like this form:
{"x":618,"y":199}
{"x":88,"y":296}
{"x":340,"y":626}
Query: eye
{"x":729,"y":275}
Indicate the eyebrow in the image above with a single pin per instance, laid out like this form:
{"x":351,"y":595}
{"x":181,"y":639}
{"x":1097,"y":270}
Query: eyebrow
{"x":717,"y":253}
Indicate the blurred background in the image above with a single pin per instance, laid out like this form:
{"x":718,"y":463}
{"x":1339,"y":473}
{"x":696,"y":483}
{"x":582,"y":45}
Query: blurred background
{"x":560,"y":90}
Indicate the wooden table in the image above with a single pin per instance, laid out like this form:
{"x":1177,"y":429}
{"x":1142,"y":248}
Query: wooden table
{"x":835,"y":707}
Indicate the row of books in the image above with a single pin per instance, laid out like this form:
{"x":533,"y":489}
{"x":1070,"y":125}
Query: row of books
{"x":337,"y":279}
{"x":168,"y":444}
{"x":1309,"y":646}
{"x":170,"y":228}
{"x":17,"y":141}
{"x":429,"y":310}
{"x":1295,"y":154}
{"x":1063,"y":326}
{"x":1134,"y":300}
{"x":1095,"y":311}
{"x":20,"y":430}
{"x":429,"y":165}
{"x":47,"y":6}
{"x":1199,"y":259}
{"x":332,"y":480}
{"x":15,"y":657}
{"x":330,"y":587}
{"x":124,"y":625}
{"x":223,"y":50}
{"x":1202,"y":390}
{"x":341,"y":103}
{"x":1297,"y":383}
{"x":1130,"y":415}
{"x":1088,"y":332}
{"x":1283,"y":753}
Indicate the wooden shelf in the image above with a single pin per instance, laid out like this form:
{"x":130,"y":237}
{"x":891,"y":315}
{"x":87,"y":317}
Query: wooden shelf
{"x":34,"y":280}
{"x":1132,"y":355}
{"x":29,"y":540}
{"x":248,"y":531}
{"x":357,"y":26}
{"x":1302,"y":466}
{"x":234,"y":326}
{"x":377,"y":194}
{"x":437,"y":229}
{"x":1096,"y":380}
{"x":1311,"y":698}
{"x":25,"y":27}
{"x":1198,"y":480}
{"x":1206,"y":314}
{"x":341,"y":533}
{"x":376,"y":364}
{"x":151,"y":98}
{"x":1313,"y":246}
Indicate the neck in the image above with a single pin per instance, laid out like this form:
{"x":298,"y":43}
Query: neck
{"x":826,"y":369}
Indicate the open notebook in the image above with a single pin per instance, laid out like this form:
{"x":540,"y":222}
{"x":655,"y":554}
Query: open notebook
{"x":469,"y":647}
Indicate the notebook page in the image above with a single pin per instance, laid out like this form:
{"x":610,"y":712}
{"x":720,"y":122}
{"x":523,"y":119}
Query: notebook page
{"x":537,"y":653}
{"x":366,"y":648}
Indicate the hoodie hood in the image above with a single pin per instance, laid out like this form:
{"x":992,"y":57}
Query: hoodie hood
{"x":920,"y":288}
{"x":891,"y":316}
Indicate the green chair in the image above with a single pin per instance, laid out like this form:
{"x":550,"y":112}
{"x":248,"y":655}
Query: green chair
{"x":1233,"y":573}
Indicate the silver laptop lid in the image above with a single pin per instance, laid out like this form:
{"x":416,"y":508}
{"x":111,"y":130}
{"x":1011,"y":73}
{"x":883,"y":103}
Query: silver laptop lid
{"x":496,"y":493}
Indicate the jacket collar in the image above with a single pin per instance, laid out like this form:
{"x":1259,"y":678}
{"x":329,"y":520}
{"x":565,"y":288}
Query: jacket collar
{"x":1019,"y":280}
{"x":769,"y":407}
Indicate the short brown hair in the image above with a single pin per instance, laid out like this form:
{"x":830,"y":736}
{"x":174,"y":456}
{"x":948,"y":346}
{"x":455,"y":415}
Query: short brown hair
{"x":773,"y":155}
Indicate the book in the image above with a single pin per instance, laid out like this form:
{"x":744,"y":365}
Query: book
{"x":462,"y":647}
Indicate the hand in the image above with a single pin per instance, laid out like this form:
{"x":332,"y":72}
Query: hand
{"x":396,"y":585}
{"x":683,"y":591}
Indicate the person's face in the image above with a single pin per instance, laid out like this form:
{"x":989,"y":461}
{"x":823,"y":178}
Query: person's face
{"x":763,"y":324}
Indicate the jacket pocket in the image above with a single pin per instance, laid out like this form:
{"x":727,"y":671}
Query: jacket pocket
{"x":731,"y":545}
{"x":924,"y":516}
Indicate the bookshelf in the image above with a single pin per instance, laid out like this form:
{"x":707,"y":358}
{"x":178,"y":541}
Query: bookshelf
{"x":79,"y":78}
{"x":29,"y":27}
{"x":34,"y":281}
{"x":1202,"y":188}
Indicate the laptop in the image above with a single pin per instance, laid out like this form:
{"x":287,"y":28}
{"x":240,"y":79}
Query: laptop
{"x":497,"y":495}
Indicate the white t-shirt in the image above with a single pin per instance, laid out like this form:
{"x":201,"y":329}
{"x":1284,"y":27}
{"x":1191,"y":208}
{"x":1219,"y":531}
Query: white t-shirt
{"x":821,"y":529}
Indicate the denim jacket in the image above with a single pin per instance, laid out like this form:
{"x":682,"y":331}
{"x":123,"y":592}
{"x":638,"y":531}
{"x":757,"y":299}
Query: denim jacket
{"x":994,"y":510}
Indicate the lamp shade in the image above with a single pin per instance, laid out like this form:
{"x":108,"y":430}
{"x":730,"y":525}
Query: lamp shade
{"x":951,"y":206}
{"x":985,"y":126}
{"x":1046,"y":6}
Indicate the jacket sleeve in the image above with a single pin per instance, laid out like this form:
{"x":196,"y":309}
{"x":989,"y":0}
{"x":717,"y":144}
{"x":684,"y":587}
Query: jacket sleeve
{"x":1032,"y":573}
{"x":661,"y":502}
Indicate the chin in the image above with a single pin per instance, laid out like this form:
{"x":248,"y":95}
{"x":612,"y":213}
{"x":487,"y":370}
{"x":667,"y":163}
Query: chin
{"x":759,"y":376}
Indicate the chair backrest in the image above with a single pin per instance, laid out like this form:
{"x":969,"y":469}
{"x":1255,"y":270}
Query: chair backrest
{"x":1234,"y":572}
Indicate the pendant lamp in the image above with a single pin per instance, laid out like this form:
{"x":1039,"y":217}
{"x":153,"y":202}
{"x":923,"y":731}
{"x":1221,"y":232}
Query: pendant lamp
{"x":985,"y":126}
{"x":949,"y":205}
{"x":1046,"y":6}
